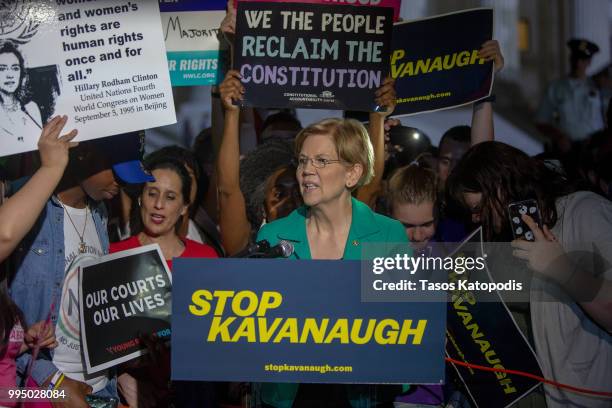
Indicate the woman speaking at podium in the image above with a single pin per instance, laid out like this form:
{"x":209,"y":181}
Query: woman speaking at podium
{"x":334,"y":158}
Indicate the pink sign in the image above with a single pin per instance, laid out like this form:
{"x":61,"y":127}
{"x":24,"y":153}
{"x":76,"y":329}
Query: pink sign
{"x":394,"y":4}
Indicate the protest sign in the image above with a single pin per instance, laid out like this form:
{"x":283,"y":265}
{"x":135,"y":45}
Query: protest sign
{"x":123,"y":296}
{"x":481,"y":330}
{"x":435,"y":61}
{"x":190,"y":33}
{"x":297,"y":321}
{"x":312,"y":55}
{"x":101,"y":63}
{"x":394,"y":4}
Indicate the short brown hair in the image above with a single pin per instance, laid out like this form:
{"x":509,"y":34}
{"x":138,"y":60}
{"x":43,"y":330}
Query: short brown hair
{"x":413,"y":184}
{"x":351,"y":140}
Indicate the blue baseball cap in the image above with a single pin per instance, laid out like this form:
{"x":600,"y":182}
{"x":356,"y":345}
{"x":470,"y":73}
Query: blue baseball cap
{"x":132,"y":172}
{"x":125,"y":153}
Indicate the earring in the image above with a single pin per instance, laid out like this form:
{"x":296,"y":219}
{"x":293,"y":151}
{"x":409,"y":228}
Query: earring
{"x":139,"y":201}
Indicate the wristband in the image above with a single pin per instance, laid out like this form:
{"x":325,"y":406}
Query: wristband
{"x":59,"y":382}
{"x":56,"y":380}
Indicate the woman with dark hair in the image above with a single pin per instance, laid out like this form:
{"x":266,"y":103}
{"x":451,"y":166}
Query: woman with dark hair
{"x":282,"y":193}
{"x":571,"y":314}
{"x":163,"y":203}
{"x":20,"y":118}
{"x":250,"y":192}
{"x":493,"y":175}
{"x":190,"y":228}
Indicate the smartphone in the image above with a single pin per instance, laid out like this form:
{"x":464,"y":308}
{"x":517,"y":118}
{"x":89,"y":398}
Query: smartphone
{"x":520,"y":230}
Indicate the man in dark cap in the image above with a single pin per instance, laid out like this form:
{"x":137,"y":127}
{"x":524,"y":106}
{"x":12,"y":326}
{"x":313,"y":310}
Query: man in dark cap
{"x":573,"y":108}
{"x":72,"y":229}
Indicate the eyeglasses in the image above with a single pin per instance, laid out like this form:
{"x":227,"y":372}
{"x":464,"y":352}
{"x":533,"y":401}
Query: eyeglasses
{"x":317,"y":162}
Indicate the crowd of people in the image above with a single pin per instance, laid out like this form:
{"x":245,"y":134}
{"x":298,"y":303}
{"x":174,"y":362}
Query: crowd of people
{"x":326,"y":187}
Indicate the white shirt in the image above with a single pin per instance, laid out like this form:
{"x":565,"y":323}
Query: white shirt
{"x":572,"y":349}
{"x":68,"y":357}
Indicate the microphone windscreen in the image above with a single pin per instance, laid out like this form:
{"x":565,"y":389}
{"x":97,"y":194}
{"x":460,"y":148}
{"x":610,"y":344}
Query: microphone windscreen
{"x":286,"y":248}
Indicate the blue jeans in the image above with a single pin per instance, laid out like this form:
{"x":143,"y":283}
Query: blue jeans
{"x":110,"y":391}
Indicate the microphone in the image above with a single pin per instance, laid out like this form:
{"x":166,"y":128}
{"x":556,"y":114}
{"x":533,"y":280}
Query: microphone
{"x":253,"y":249}
{"x":284,"y":249}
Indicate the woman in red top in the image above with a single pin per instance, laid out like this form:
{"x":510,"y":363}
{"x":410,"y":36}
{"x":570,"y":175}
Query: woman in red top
{"x":163,"y":203}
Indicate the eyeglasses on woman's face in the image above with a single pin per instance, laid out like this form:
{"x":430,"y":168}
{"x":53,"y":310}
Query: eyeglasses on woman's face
{"x":317,"y":162}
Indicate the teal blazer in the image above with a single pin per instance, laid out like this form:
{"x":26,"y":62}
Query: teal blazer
{"x":366,"y":227}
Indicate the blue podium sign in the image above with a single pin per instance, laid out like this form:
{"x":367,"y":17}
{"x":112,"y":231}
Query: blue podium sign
{"x":297,"y":321}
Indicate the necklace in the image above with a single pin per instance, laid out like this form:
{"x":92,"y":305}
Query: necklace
{"x":144,"y":239}
{"x":82,"y":234}
{"x":12,"y":106}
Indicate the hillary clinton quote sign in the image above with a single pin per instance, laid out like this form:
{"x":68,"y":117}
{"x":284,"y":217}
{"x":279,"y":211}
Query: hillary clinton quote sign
{"x":101,"y":63}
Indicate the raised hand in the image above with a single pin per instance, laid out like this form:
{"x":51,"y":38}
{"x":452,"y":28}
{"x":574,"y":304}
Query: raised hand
{"x":228,"y":25}
{"x":52,"y":147}
{"x":231,"y":90}
{"x":386,"y":97}
{"x":490,"y":51}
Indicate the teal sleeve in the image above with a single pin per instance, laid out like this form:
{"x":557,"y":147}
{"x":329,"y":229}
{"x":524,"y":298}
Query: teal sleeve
{"x":261,"y":233}
{"x":397,"y":239}
{"x":397,"y":233}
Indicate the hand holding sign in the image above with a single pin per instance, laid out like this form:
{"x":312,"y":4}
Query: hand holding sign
{"x":386,"y":98}
{"x":228,"y":25}
{"x":490,"y":51}
{"x":148,"y":375}
{"x":231,"y":91}
{"x":53,"y":147}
